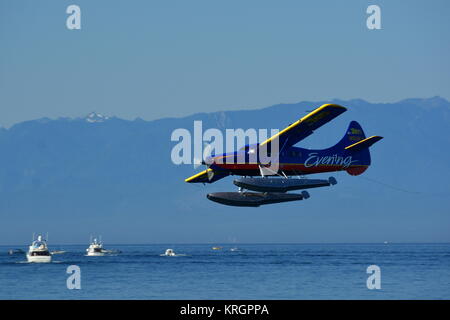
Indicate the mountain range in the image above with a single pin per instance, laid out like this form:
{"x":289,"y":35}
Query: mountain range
{"x":100,"y":174}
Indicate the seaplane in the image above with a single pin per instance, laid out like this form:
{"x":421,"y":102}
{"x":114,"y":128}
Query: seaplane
{"x":264,"y":180}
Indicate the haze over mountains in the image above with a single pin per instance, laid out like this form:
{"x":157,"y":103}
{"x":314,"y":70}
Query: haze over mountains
{"x":102,"y":174}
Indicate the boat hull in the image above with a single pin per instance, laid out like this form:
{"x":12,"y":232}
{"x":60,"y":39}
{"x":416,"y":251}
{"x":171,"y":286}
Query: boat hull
{"x":39,"y":259}
{"x":95,"y":254}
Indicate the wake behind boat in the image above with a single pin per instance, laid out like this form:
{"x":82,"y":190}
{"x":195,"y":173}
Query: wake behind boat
{"x":38,"y":251}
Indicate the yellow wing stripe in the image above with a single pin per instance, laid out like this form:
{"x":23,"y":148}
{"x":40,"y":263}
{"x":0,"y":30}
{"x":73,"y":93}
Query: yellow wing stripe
{"x":202,"y":174}
{"x":309,"y":117}
{"x":364,"y":141}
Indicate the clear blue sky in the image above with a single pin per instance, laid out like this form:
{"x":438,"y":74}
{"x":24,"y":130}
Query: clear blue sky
{"x":163,"y":58}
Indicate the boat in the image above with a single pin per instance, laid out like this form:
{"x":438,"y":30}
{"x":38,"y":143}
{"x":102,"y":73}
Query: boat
{"x":38,"y":251}
{"x":170,"y":253}
{"x":95,"y":249}
{"x":217,"y":248}
{"x":15,"y":251}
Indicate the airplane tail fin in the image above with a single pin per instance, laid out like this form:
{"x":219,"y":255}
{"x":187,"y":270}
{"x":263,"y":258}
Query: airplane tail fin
{"x":354,"y":134}
{"x":355,"y":144}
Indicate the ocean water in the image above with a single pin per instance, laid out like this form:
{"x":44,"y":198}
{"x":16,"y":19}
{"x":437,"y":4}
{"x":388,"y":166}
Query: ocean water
{"x":260,"y":271}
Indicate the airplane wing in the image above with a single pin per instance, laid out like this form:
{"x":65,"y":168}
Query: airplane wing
{"x":304,"y":127}
{"x":206,"y":176}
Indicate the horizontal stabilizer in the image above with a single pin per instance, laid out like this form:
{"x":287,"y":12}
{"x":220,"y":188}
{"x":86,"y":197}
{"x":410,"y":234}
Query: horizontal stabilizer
{"x":363,"y":144}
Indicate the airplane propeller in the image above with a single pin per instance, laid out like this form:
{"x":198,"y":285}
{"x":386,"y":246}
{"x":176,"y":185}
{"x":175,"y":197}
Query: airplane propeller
{"x":206,"y":152}
{"x":210,"y":174}
{"x":207,"y":161}
{"x":204,"y":161}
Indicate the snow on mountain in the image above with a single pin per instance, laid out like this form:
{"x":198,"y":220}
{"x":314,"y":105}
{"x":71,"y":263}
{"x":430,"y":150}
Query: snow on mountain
{"x":94,"y":117}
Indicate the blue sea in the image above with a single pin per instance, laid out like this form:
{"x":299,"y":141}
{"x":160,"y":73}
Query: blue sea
{"x":252,"y":271}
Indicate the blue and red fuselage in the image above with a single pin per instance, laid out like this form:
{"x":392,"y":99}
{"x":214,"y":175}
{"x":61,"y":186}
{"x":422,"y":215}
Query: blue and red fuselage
{"x":299,"y":161}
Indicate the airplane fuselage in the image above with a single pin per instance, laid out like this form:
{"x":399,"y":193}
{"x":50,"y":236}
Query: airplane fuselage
{"x":295,"y":161}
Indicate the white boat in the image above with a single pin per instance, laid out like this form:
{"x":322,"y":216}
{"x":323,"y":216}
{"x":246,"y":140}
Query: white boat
{"x":15,"y":251}
{"x":96,"y":248}
{"x":38,"y":251}
{"x":170,"y":253}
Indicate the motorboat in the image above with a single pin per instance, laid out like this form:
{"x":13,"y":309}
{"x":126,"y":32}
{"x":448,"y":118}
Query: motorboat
{"x":95,"y":249}
{"x":38,"y":251}
{"x":15,"y":251}
{"x":170,"y":253}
